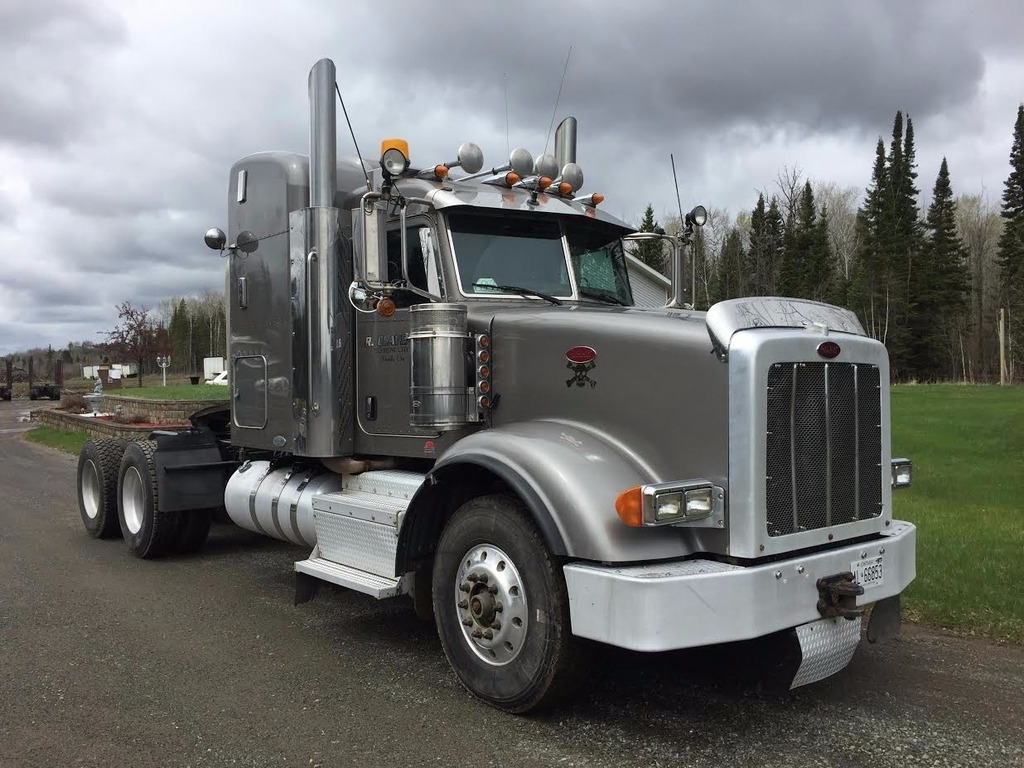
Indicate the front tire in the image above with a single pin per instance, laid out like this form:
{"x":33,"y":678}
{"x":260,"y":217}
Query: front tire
{"x":502,"y":609}
{"x":98,"y":466}
{"x":147,"y":531}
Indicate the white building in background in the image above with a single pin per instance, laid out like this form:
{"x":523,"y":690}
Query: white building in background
{"x":650,"y":287}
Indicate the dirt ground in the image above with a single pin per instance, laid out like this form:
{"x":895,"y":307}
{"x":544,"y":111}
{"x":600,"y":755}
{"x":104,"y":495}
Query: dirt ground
{"x":204,"y":661}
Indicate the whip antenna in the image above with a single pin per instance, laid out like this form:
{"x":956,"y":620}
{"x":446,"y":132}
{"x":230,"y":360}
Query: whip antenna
{"x":682,"y":225}
{"x":508,"y":146}
{"x":369,"y":184}
{"x":557,"y":98}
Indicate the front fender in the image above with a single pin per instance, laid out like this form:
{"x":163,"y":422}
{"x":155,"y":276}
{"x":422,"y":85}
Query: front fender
{"x":569,"y":479}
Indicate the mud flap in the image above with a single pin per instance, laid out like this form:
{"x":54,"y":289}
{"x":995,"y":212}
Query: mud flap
{"x":885,"y":619}
{"x":826,"y":646}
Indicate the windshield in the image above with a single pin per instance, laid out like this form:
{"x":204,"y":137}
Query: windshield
{"x":527,"y":253}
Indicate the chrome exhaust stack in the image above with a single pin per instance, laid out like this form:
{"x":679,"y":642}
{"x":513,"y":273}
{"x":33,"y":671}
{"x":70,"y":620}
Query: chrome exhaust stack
{"x":323,"y":137}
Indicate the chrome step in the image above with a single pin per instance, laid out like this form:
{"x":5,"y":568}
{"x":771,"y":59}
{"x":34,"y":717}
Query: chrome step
{"x":351,"y":578}
{"x":358,"y":526}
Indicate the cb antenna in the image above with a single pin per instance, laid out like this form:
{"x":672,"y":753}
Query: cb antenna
{"x":508,"y":146}
{"x":682,"y":224}
{"x":557,"y":98}
{"x":362,"y":165}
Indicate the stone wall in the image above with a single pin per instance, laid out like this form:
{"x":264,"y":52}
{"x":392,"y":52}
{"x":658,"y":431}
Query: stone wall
{"x":154,"y":411}
{"x":92,"y":427}
{"x":167,"y":413}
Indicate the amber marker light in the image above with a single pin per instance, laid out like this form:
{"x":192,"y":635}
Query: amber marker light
{"x":564,"y":188}
{"x":630,"y":506}
{"x":484,"y":340}
{"x":394,"y":156}
{"x":512,"y":178}
{"x":386,"y":307}
{"x":440,"y":172}
{"x":544,"y":182}
{"x":596,"y":199}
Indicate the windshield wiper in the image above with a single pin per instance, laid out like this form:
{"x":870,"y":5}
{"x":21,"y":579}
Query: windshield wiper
{"x":520,"y":291}
{"x":600,"y":295}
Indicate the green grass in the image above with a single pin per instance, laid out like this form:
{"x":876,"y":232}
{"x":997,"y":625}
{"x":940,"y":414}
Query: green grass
{"x":70,"y":442}
{"x":174,"y":392}
{"x":967,"y":500}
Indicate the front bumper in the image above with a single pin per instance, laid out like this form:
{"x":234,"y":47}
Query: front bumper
{"x":684,"y":604}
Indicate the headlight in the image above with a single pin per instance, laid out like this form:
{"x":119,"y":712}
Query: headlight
{"x":687,"y":501}
{"x":902,"y":472}
{"x":394,"y":156}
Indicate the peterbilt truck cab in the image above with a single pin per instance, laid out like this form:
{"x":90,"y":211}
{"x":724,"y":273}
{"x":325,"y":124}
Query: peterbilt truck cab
{"x":441,"y":388}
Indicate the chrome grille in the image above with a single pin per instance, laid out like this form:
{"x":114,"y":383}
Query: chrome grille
{"x":824,"y":446}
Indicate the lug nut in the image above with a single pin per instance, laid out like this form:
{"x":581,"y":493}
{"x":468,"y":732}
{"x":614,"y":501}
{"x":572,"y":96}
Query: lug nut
{"x":473,"y":577}
{"x":477,"y":634}
{"x":464,"y":587}
{"x":467,"y":622}
{"x":483,"y":578}
{"x":495,"y":624}
{"x":498,"y":607}
{"x":463,"y":604}
{"x":493,"y":589}
{"x":488,"y":635}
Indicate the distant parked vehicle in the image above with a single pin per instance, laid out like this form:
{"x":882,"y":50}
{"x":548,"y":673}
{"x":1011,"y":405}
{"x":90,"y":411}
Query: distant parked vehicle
{"x":221,"y":378}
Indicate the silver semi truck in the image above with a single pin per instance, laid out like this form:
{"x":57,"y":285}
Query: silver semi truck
{"x":440,"y":388}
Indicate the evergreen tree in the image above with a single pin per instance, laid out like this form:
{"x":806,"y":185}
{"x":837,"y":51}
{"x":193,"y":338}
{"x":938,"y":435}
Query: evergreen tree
{"x":775,"y":229}
{"x":758,"y":263}
{"x":868,"y":292}
{"x":941,"y":285}
{"x":650,"y":252}
{"x":730,"y":282}
{"x":1011,"y":242}
{"x":787,"y":266}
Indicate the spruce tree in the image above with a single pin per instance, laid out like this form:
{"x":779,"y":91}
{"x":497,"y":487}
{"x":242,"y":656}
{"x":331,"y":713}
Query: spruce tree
{"x":758,"y":265}
{"x":867,"y":292}
{"x":941,"y":286}
{"x":775,"y":228}
{"x":1011,"y":242}
{"x":729,"y":283}
{"x":650,"y":252}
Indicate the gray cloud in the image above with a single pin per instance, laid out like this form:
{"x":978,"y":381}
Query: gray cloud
{"x":119,"y":122}
{"x":47,"y":48}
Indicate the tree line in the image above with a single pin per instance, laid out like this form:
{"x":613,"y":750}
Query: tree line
{"x":929,"y":284}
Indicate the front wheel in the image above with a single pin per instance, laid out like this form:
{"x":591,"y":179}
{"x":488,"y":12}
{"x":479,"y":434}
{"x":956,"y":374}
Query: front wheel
{"x":502,"y":609}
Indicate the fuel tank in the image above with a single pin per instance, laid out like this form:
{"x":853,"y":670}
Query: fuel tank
{"x":278,"y":502}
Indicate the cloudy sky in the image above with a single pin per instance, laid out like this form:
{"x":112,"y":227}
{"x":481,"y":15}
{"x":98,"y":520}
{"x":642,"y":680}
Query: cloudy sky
{"x":119,"y":119}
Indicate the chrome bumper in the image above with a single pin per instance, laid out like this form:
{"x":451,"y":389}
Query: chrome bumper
{"x":665,"y":606}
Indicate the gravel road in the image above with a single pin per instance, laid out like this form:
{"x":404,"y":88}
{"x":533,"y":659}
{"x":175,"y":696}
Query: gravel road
{"x":106,"y":660}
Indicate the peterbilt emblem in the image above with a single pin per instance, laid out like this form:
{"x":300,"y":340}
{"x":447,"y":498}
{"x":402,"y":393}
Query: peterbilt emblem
{"x":828,"y":349}
{"x":581,"y":363}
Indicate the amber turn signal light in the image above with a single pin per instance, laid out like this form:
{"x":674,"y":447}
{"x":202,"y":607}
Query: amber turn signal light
{"x":630,"y":506}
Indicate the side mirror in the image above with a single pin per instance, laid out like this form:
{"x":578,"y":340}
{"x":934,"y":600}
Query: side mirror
{"x":215,"y":239}
{"x":374,"y":260}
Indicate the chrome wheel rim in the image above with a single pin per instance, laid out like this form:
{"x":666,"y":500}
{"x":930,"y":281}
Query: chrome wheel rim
{"x":133,"y":499}
{"x":490,"y":601}
{"x":91,"y":489}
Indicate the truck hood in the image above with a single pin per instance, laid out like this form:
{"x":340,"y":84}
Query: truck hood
{"x":645,"y":381}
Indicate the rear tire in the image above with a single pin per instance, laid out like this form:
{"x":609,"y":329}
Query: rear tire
{"x":147,"y":531}
{"x":502,"y":608}
{"x":98,"y":467}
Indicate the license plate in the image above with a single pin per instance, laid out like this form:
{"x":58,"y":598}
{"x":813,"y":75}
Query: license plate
{"x":867,"y":573}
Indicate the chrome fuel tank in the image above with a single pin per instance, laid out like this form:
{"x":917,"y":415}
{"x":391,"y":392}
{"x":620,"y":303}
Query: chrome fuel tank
{"x":278,"y":502}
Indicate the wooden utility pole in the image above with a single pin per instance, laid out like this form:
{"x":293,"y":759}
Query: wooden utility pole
{"x":1002,"y":346}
